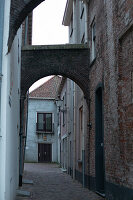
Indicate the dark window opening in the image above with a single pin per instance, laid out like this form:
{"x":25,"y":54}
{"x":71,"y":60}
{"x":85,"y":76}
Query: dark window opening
{"x":44,"y":122}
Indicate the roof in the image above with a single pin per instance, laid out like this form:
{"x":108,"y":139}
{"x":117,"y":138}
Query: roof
{"x":48,"y":89}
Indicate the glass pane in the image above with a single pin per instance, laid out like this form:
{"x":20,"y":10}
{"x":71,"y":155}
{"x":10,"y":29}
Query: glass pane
{"x":40,"y":121}
{"x":48,"y":122}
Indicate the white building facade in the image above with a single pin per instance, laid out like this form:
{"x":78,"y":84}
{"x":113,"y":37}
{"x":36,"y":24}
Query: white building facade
{"x":42,"y":123}
{"x":10,"y":104}
{"x":75,"y":17}
{"x":42,"y":142}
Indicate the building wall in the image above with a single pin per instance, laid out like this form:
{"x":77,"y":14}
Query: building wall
{"x":81,"y":119}
{"x":33,"y":138}
{"x":112,"y":19}
{"x":78,"y":35}
{"x":10,"y":89}
{"x":110,"y":69}
{"x":64,"y":127}
{"x":67,"y":127}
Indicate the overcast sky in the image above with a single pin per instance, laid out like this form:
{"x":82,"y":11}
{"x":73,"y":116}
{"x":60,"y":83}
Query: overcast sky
{"x":47,"y":23}
{"x":47,"y":26}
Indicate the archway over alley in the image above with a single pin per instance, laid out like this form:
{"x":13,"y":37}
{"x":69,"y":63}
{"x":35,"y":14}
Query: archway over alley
{"x":70,"y":61}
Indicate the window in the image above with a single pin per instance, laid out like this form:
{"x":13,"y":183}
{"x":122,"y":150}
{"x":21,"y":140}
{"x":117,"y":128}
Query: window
{"x":83,"y":39}
{"x":44,"y":122}
{"x":93,"y":30}
{"x":82,"y":10}
{"x":71,"y":26}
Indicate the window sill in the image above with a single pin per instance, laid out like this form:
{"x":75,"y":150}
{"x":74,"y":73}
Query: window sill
{"x":43,"y":132}
{"x":92,"y":62}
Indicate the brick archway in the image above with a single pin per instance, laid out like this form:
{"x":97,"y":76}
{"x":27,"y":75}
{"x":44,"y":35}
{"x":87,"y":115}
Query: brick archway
{"x":70,"y":61}
{"x":19,"y":10}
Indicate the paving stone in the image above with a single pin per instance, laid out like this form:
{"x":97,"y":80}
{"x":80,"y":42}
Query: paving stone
{"x":51,"y":183}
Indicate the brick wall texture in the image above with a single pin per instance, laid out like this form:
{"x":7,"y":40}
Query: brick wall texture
{"x":67,"y":60}
{"x":113,"y":68}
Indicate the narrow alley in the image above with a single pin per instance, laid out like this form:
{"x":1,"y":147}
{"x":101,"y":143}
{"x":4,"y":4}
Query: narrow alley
{"x":50,"y":183}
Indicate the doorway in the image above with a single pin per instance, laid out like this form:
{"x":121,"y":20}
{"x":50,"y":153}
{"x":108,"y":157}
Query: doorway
{"x":44,"y":152}
{"x":99,"y":143}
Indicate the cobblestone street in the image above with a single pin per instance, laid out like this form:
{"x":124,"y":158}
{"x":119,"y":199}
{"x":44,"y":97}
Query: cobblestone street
{"x":50,"y":183}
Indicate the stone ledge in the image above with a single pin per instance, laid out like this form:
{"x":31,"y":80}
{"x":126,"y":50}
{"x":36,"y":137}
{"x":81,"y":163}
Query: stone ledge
{"x":52,"y":47}
{"x":22,"y":193}
{"x":25,"y":181}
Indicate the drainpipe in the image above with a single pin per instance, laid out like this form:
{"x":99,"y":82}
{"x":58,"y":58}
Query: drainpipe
{"x":74,"y":131}
{"x":22,"y":145}
{"x":83,"y":145}
{"x":21,"y":139}
{"x":68,"y":125}
{"x":26,"y":121}
{"x":84,"y":103}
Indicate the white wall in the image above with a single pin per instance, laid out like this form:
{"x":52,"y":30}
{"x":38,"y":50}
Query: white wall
{"x":31,"y":154}
{"x":9,"y":141}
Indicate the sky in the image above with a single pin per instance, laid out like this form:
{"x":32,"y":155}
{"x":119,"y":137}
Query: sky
{"x":47,"y":23}
{"x":48,"y":28}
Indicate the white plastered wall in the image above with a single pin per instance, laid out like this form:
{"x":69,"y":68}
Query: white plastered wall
{"x":9,"y":142}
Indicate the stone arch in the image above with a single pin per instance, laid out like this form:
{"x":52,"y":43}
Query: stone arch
{"x":70,"y":61}
{"x":19,"y":10}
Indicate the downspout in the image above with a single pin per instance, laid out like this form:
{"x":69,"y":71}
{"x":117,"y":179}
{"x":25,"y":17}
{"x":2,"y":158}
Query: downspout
{"x":74,"y":132}
{"x":2,"y":5}
{"x":21,"y":155}
{"x":83,"y":146}
{"x":21,"y":139}
{"x":26,"y":121}
{"x":83,"y":142}
{"x":68,"y":124}
{"x":60,"y":134}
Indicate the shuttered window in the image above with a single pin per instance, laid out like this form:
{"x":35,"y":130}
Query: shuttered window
{"x":44,"y":122}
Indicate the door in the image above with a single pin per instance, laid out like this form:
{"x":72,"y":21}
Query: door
{"x":44,"y":152}
{"x":99,"y":153}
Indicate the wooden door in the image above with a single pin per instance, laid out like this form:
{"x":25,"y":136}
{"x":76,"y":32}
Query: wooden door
{"x":44,"y":152}
{"x":99,"y":143}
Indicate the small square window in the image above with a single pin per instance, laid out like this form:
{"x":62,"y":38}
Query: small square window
{"x":44,"y":122}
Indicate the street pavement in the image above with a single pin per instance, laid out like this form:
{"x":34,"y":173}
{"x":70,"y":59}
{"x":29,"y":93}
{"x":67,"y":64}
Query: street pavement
{"x":50,"y":183}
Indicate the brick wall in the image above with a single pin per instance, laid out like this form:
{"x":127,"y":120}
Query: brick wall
{"x":65,"y":60}
{"x":113,"y":68}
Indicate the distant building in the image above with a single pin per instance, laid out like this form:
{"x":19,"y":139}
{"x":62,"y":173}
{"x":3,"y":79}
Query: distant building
{"x":76,"y":115}
{"x":42,"y":132}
